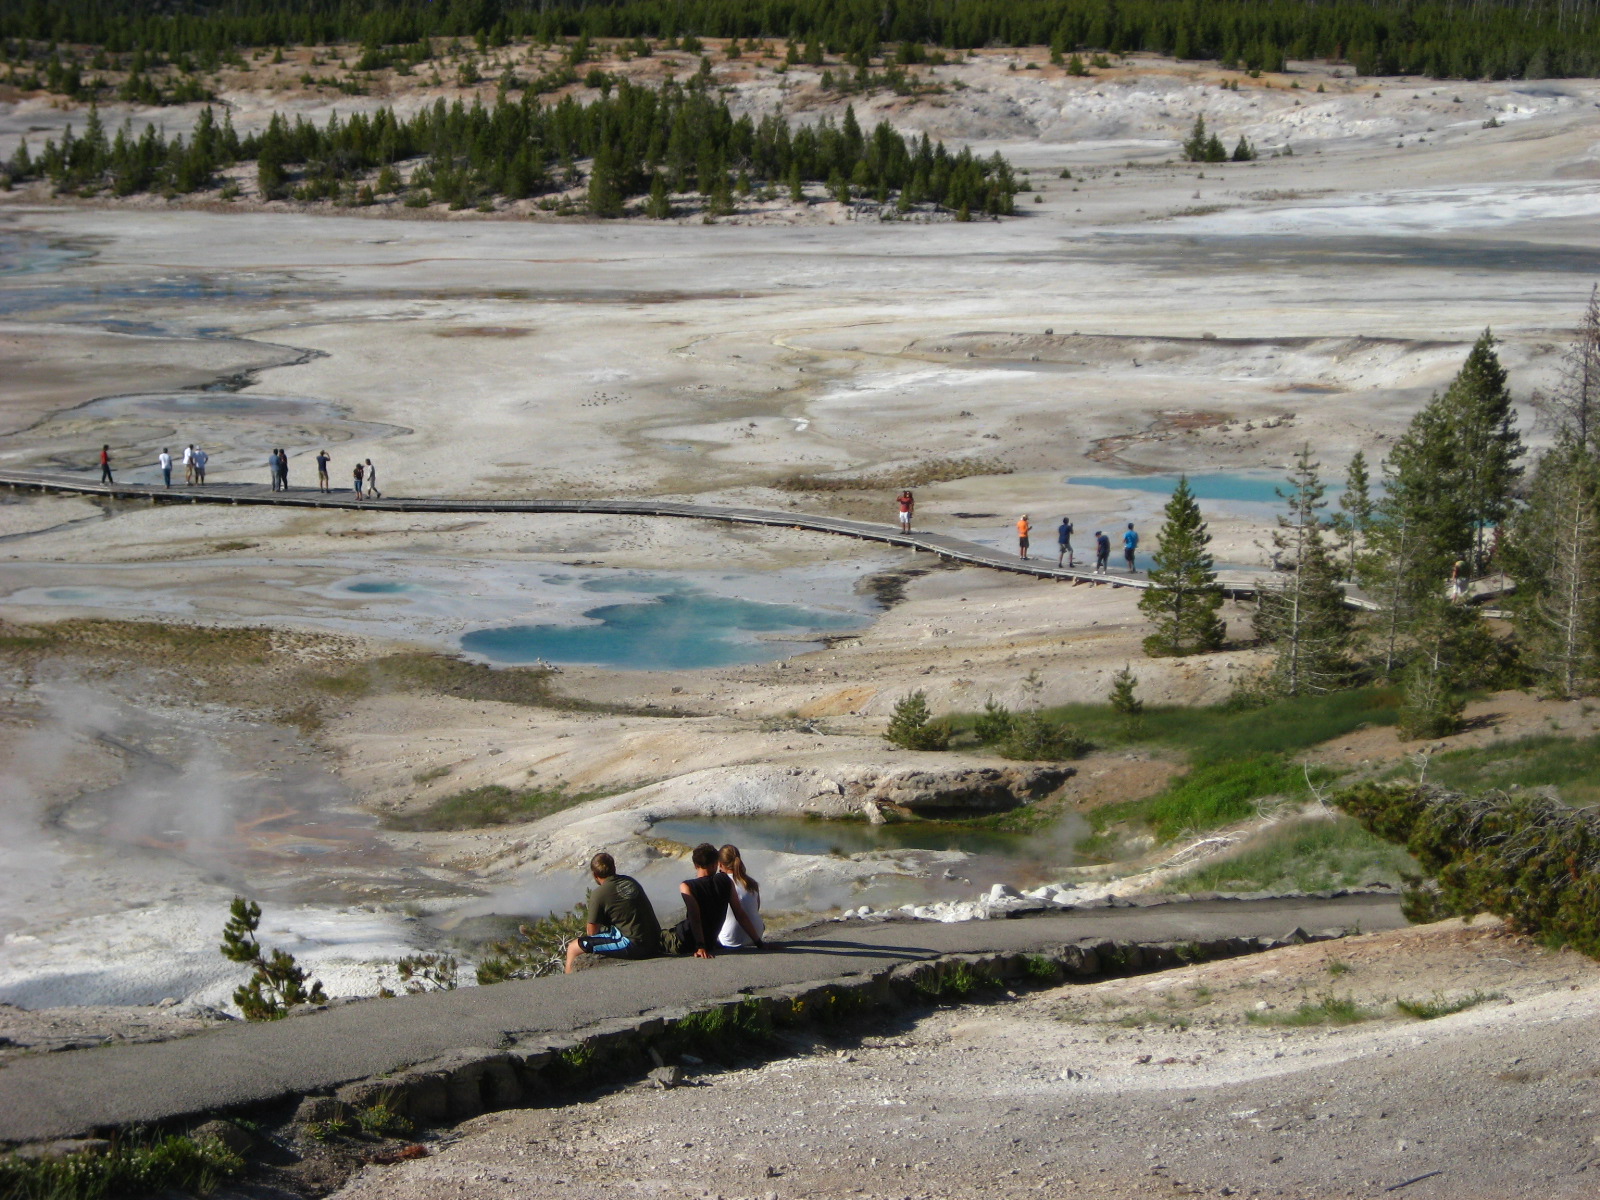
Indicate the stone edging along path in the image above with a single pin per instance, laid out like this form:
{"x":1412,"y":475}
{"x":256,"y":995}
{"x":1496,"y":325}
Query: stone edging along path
{"x":447,"y":1056}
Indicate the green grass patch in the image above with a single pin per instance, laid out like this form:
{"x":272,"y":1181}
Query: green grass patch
{"x":1330,"y":1010}
{"x":1428,"y":1010}
{"x":187,"y":644}
{"x":931,"y":470}
{"x":1221,"y":732}
{"x":479,"y":807}
{"x":1306,"y":855}
{"x":1569,"y":764}
{"x":136,"y":1165}
{"x":1212,"y":794}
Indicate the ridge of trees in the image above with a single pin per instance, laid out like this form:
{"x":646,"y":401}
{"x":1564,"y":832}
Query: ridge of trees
{"x":641,"y":142}
{"x":1534,"y":39}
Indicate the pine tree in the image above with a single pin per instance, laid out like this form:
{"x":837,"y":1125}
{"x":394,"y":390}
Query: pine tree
{"x":1574,"y":407}
{"x":1243,"y":151}
{"x":277,"y":983}
{"x":1124,"y":698}
{"x":1553,"y":552}
{"x":1194,"y":148}
{"x":1479,"y":408}
{"x":1304,"y":617}
{"x":1185,"y":598}
{"x":1420,"y":526}
{"x":912,"y":727}
{"x":660,"y":203}
{"x":605,"y":197}
{"x":1353,"y":521}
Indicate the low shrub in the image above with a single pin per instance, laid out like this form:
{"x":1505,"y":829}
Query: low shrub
{"x":1330,"y":1010}
{"x":1524,"y":857}
{"x":1428,"y":1010}
{"x":137,"y":1164}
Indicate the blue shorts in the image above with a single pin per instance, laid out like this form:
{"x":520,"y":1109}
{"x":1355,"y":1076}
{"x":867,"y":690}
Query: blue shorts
{"x":607,"y":941}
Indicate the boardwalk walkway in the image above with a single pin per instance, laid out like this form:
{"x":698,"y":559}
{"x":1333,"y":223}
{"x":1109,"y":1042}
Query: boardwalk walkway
{"x":1238,"y":585}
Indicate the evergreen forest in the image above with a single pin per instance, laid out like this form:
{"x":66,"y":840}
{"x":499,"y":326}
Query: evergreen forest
{"x":639,"y":141}
{"x":1494,"y":39}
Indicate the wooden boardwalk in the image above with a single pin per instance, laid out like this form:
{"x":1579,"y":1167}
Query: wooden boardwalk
{"x":1237,"y":585}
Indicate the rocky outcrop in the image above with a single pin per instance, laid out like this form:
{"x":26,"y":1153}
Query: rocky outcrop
{"x":954,"y":790}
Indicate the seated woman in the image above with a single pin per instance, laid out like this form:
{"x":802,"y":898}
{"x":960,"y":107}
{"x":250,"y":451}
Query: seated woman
{"x":748,"y":892}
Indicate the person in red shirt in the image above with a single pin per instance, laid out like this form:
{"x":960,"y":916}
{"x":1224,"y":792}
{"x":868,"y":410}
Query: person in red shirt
{"x":907,"y":505}
{"x":105,"y":465}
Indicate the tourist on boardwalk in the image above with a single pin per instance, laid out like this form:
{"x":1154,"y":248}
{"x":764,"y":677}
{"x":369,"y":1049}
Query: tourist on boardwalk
{"x":201,"y":458}
{"x":908,"y":504}
{"x":709,"y":900}
{"x":188,"y":464}
{"x":105,"y":465}
{"x":1064,"y":542}
{"x":323,"y":459}
{"x":1102,"y":552}
{"x":372,"y":482}
{"x":164,"y":461}
{"x":355,"y":479}
{"x":1024,"y":528}
{"x":1130,"y":543}
{"x":748,"y":893}
{"x":621,"y":922}
{"x":276,"y":467}
{"x":283,"y":468}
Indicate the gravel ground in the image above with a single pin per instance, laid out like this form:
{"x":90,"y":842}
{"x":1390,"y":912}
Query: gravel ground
{"x":1167,"y":1085}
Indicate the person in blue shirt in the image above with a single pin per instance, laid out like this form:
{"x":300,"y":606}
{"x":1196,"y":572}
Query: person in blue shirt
{"x":1064,"y":542}
{"x":1130,"y":543}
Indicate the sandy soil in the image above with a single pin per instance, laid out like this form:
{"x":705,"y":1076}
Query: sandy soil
{"x":1147,"y":1087}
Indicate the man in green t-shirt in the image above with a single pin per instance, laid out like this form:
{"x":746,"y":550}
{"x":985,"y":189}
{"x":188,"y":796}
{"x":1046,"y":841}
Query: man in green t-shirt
{"x":621,"y":922}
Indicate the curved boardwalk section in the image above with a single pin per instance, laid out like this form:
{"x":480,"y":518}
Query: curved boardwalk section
{"x":1239,"y":586}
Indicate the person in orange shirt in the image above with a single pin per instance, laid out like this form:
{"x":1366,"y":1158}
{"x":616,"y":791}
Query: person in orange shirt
{"x":1024,"y":528}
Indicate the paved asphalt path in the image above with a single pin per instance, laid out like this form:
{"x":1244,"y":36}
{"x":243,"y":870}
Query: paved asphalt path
{"x":61,"y":1095}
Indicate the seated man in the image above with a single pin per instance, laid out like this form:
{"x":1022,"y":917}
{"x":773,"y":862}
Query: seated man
{"x":621,"y":923}
{"x":708,"y":899}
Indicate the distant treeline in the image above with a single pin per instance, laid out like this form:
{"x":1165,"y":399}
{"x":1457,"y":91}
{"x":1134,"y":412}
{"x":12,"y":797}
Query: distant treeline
{"x":1487,"y":38}
{"x":640,"y":140}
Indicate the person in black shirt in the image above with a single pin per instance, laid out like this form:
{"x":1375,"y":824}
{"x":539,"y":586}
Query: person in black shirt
{"x":707,"y":899}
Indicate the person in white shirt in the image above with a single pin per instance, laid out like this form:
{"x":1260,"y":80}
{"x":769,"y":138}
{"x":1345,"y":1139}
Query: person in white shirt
{"x":201,"y":458}
{"x":748,"y":892}
{"x":164,"y":461}
{"x":188,"y":463}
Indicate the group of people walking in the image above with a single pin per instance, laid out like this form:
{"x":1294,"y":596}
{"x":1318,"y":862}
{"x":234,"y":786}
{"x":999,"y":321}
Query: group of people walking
{"x":194,"y":465}
{"x":906,"y":504}
{"x":363,"y":478}
{"x":1064,"y":553}
{"x":722,"y":911}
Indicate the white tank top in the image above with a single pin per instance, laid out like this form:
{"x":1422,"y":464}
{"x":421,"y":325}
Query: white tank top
{"x":732,"y":934}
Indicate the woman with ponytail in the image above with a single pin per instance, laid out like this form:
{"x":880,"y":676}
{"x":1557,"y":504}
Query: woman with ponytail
{"x":749,"y":893}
